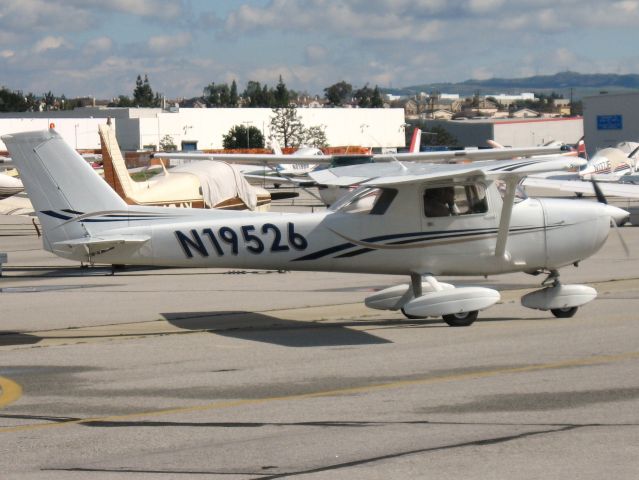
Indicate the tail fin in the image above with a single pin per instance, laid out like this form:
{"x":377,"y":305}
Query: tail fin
{"x":581,"y":149}
{"x":275,"y":145}
{"x":416,"y":141}
{"x":60,"y":184}
{"x":115,"y":172}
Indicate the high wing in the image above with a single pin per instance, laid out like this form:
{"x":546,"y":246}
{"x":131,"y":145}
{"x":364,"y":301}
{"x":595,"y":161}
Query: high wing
{"x":468,"y":154}
{"x":628,"y":190}
{"x":438,"y":156}
{"x":407,"y":172}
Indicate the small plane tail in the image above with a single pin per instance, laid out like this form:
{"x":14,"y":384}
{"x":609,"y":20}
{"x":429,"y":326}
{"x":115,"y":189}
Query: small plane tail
{"x":61,"y":185}
{"x":416,"y":141}
{"x":115,"y":171}
{"x":275,"y":145}
{"x":581,"y":149}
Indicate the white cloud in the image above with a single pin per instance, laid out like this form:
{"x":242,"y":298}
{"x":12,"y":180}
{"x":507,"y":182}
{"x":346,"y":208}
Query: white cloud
{"x":163,"y":44}
{"x":49,"y":43}
{"x":99,"y":45}
{"x":315,"y":53}
{"x":483,"y":6}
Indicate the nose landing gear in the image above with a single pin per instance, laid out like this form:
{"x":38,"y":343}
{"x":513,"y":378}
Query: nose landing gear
{"x":562,"y":300}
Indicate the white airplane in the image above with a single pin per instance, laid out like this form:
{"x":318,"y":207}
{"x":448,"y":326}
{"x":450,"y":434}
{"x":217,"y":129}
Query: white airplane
{"x":613,"y":162}
{"x":614,"y":168}
{"x":401,"y":223}
{"x":9,"y":186}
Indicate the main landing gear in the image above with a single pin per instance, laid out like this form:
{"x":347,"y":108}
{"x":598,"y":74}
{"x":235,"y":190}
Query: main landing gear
{"x":426,"y":297}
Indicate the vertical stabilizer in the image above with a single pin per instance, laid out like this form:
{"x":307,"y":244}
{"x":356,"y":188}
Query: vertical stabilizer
{"x":275,"y":145}
{"x":60,"y":183}
{"x":115,"y":172}
{"x":416,"y":141}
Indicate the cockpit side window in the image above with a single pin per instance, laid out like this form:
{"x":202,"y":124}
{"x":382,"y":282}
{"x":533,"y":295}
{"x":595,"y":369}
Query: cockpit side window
{"x":369,"y":200}
{"x":455,"y":199}
{"x":520,"y":194}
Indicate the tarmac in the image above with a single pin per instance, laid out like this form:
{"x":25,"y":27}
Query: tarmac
{"x":177,"y":373}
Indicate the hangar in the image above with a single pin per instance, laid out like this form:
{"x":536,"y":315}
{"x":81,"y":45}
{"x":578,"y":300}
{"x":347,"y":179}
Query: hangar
{"x":203,"y":128}
{"x":610,"y":119}
{"x":513,"y":132}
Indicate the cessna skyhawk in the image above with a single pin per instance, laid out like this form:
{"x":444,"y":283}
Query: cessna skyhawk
{"x":417,"y":220}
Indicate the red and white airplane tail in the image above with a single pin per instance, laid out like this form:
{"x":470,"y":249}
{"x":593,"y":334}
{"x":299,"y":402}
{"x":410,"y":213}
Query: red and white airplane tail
{"x":416,"y":141}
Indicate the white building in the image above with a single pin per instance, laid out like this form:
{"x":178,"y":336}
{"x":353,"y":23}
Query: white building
{"x":203,"y":128}
{"x":610,"y":119}
{"x":512,"y":132}
{"x":506,"y":100}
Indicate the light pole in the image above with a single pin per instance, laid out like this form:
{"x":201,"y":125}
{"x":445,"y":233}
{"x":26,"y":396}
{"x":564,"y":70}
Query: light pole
{"x":248,"y":142}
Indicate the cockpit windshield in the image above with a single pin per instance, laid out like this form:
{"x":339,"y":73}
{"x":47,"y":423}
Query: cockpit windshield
{"x":366,"y":200}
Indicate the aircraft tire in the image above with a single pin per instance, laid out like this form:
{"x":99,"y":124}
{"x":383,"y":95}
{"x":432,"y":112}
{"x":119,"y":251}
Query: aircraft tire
{"x":461,"y":319}
{"x":564,"y":312}
{"x":411,"y":317}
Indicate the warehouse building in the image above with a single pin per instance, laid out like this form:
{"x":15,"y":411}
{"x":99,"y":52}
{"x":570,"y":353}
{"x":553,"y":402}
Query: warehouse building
{"x":512,"y":132}
{"x":610,"y":119}
{"x":203,"y":128}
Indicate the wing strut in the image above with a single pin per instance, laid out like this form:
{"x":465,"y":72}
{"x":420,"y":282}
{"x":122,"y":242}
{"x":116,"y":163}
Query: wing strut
{"x":506,"y":214}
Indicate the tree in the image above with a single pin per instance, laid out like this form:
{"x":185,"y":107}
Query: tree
{"x":315,"y":137}
{"x":287,"y":127}
{"x":376,"y":99}
{"x":143,"y":94}
{"x":122,"y":101}
{"x":338,"y":93}
{"x":49,"y":100}
{"x":281,"y":96}
{"x":363,"y":96}
{"x":438,"y":136}
{"x":233,"y":97}
{"x":12,"y":101}
{"x":241,"y":137}
{"x":252,"y":93}
{"x":167,"y":144}
{"x":219,"y":95}
{"x":266,"y":100}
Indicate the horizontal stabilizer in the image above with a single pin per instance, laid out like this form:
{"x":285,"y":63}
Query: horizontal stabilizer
{"x":102,"y":243}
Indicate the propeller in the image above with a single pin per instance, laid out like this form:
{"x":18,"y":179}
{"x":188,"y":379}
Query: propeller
{"x":601,"y":198}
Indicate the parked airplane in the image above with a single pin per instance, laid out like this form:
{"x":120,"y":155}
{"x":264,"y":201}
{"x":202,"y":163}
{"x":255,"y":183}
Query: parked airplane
{"x":613,"y":168}
{"x":391,"y":225}
{"x":9,"y":186}
{"x":612,"y":162}
{"x":210,"y":184}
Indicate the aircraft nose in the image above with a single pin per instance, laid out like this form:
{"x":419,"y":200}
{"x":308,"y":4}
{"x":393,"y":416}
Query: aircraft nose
{"x":618,"y":215}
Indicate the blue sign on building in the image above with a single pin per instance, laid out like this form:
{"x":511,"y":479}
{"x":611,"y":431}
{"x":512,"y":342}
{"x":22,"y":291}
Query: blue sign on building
{"x":609,"y":122}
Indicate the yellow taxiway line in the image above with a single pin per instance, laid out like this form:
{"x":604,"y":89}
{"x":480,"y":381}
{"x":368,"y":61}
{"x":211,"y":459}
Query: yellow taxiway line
{"x":585,"y":361}
{"x":10,"y":391}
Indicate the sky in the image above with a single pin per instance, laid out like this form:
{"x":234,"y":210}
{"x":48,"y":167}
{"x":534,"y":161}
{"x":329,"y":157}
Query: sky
{"x":98,"y":47}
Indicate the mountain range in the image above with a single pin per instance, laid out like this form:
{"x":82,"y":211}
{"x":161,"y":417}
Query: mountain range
{"x":563,"y":83}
